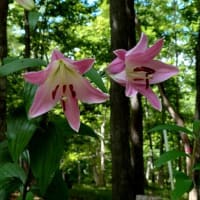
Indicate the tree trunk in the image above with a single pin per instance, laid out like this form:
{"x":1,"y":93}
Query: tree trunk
{"x":3,"y":54}
{"x":122,"y":26}
{"x":195,"y":193}
{"x":137,"y":144}
{"x":179,"y":121}
{"x":27,"y":39}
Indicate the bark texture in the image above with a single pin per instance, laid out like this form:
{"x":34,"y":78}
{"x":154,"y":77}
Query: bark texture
{"x":3,"y":54}
{"x":122,"y":36}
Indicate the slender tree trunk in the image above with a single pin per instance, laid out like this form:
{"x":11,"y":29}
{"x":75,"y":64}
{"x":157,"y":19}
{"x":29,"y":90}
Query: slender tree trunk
{"x":195,"y":193}
{"x":137,"y":144}
{"x":27,"y":39}
{"x":179,"y":121}
{"x":3,"y":54}
{"x":122,"y":176}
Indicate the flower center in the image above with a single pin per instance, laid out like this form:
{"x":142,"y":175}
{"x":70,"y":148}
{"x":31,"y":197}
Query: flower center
{"x":140,"y":74}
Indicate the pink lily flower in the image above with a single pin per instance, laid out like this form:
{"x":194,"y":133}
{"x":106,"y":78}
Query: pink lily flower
{"x":26,"y":4}
{"x":136,"y":69}
{"x":62,"y":81}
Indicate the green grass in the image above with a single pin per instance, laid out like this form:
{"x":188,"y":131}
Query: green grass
{"x":86,"y":192}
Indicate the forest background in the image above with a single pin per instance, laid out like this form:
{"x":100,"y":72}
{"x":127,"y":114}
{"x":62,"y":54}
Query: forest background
{"x":81,"y":29}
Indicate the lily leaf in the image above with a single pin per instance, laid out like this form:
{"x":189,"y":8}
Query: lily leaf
{"x":169,"y":156}
{"x":11,"y":170}
{"x":64,"y":127}
{"x":19,"y":133}
{"x":33,"y":17}
{"x":170,"y":128}
{"x":183,"y":184}
{"x":20,"y":64}
{"x":46,"y":148}
{"x":93,"y":75}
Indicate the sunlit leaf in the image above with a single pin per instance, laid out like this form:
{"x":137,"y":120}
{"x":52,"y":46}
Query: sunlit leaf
{"x":169,"y":127}
{"x":169,"y":156}
{"x":96,"y":78}
{"x":33,"y":17}
{"x":20,"y":64}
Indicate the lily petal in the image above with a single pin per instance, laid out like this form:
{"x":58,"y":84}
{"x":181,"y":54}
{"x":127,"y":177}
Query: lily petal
{"x":56,"y":55}
{"x":116,"y":66}
{"x":82,"y":66}
{"x":141,"y":45}
{"x":36,"y":77}
{"x":130,"y":90}
{"x":120,"y":78}
{"x":42,"y":103}
{"x":120,"y":53}
{"x":72,"y":112}
{"x":88,"y":94}
{"x":163,"y":71}
{"x":150,"y":95}
{"x":146,"y":56}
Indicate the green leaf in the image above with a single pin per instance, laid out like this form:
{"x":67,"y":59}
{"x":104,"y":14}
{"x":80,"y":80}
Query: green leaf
{"x":29,"y":92}
{"x":197,"y":166}
{"x":7,"y":186}
{"x":196,"y":127}
{"x":19,"y":133}
{"x":12,"y":170}
{"x":4,"y":152}
{"x":183,"y":184}
{"x":20,"y":64}
{"x":33,"y":17}
{"x":169,"y":156}
{"x":170,"y":128}
{"x":46,"y":148}
{"x":93,"y":75}
{"x":57,"y":189}
{"x":62,"y":124}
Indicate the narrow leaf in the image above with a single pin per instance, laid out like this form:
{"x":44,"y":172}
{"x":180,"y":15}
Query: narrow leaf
{"x":33,"y":17}
{"x":169,"y":127}
{"x":169,"y":156}
{"x":20,"y":64}
{"x":93,"y":75}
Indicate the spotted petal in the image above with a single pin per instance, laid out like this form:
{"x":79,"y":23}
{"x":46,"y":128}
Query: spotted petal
{"x":163,"y":71}
{"x":72,"y":112}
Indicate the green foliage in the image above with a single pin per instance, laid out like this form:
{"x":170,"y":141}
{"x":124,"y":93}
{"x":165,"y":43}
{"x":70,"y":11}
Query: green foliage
{"x":20,"y":64}
{"x":170,"y":127}
{"x":90,"y":193}
{"x":57,"y":189}
{"x":183,"y":184}
{"x":19,"y":133}
{"x":96,"y":78}
{"x":46,"y":148}
{"x":169,"y":156}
